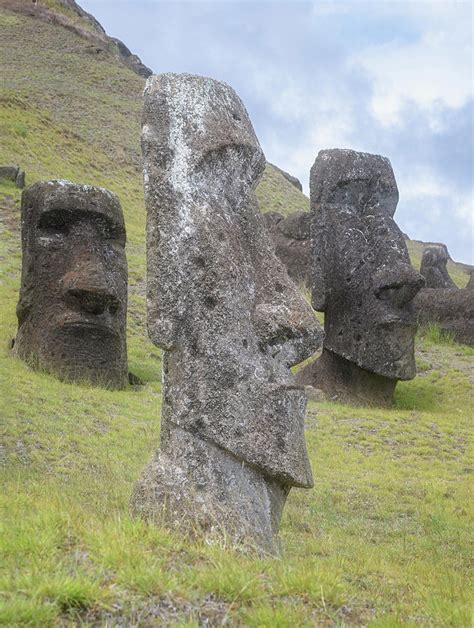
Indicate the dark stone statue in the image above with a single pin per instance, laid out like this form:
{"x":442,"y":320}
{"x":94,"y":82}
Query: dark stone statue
{"x":292,"y":242}
{"x":362,"y":279}
{"x":230,"y":321}
{"x":433,"y":267}
{"x":73,"y":298}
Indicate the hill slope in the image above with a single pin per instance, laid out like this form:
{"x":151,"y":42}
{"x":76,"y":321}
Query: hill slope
{"x":382,"y":539}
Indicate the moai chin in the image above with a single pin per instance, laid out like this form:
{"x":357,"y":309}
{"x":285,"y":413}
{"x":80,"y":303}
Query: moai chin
{"x":362,"y":279}
{"x":73,"y":298}
{"x":433,"y":267}
{"x":230,"y":321}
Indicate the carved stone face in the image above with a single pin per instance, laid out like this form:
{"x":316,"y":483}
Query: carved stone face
{"x":362,"y":276}
{"x":223,"y":308}
{"x":217,"y":297}
{"x":73,"y":299}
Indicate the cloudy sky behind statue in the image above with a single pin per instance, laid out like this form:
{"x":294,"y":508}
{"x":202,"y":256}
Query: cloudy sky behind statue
{"x":393,"y":78}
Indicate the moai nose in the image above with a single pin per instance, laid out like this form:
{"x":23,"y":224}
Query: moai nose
{"x":399,"y":285}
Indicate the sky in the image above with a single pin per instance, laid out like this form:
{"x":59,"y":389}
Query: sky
{"x":387,"y":76}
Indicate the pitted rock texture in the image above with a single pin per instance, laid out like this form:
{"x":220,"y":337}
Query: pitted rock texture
{"x":452,"y":310}
{"x":433,"y":267}
{"x":292,"y":242}
{"x":230,"y":320}
{"x":361,"y":276}
{"x":73,"y":298}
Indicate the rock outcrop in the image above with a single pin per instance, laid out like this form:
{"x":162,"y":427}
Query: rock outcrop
{"x":73,"y":298}
{"x":85,"y":25}
{"x":228,"y":318}
{"x":452,"y":310}
{"x":14,"y":174}
{"x":292,"y":242}
{"x":361,"y":278}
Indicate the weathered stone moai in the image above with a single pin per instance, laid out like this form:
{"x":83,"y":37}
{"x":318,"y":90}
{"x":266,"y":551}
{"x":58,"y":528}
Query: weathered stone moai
{"x":362,"y":279}
{"x":292,"y":242}
{"x":433,"y":267}
{"x":230,"y":321}
{"x":73,"y":298}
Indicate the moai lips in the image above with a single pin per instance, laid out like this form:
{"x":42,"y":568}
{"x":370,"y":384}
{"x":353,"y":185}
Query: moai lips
{"x":361,"y":278}
{"x":228,"y":317}
{"x":73,"y":298}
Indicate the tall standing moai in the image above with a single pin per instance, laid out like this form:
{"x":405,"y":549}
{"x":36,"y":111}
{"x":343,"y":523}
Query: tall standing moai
{"x":230,"y":322}
{"x":362,"y":279}
{"x":433,"y":267}
{"x":73,"y":299}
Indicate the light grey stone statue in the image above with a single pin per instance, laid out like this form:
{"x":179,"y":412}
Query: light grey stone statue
{"x":229,"y":319}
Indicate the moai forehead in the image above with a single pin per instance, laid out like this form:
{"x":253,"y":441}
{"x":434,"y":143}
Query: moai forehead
{"x":186,"y":120}
{"x":359,"y":180}
{"x":199,"y":148}
{"x":54,"y":195}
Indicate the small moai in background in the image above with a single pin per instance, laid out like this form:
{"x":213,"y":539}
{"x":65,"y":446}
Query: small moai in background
{"x":73,"y":299}
{"x":361,"y":279}
{"x":230,"y":321}
{"x":433,"y":267}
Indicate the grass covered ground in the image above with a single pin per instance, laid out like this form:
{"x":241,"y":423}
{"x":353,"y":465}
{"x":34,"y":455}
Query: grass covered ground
{"x":382,"y":539}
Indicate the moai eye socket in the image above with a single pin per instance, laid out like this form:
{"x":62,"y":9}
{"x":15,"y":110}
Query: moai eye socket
{"x":55,"y":222}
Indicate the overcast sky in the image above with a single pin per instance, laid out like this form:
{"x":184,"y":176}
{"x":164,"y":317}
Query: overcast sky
{"x":386,"y":77}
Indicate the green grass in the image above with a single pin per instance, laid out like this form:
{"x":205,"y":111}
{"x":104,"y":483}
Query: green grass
{"x":382,"y":539}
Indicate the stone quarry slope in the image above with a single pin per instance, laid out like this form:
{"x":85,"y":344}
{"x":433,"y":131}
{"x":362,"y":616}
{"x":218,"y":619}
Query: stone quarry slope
{"x":71,"y":100}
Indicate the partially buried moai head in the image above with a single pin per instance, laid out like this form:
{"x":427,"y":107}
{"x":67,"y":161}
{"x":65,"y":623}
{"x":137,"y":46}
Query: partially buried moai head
{"x":362,"y":277}
{"x":73,"y":298}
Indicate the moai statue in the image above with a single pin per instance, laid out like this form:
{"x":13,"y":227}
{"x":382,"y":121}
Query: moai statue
{"x":433,"y":267}
{"x":362,"y":279}
{"x":228,"y":318}
{"x":73,"y":297}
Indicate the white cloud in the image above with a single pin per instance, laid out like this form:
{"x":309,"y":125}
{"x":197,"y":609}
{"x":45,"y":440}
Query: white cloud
{"x":432,"y":72}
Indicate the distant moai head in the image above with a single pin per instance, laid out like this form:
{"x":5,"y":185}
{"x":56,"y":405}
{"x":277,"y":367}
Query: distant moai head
{"x":433,"y":267}
{"x":361,"y":273}
{"x":223,"y":308}
{"x":73,"y":298}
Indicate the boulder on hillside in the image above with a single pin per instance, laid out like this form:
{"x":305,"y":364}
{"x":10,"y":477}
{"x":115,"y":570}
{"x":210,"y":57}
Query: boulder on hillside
{"x":14,"y":174}
{"x":292,"y":242}
{"x":451,"y":309}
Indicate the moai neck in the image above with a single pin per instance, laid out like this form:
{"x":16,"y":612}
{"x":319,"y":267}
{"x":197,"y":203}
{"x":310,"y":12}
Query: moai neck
{"x":348,"y":382}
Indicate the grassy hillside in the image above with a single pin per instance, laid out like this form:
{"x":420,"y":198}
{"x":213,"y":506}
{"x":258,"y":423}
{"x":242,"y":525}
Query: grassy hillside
{"x":382,"y":540}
